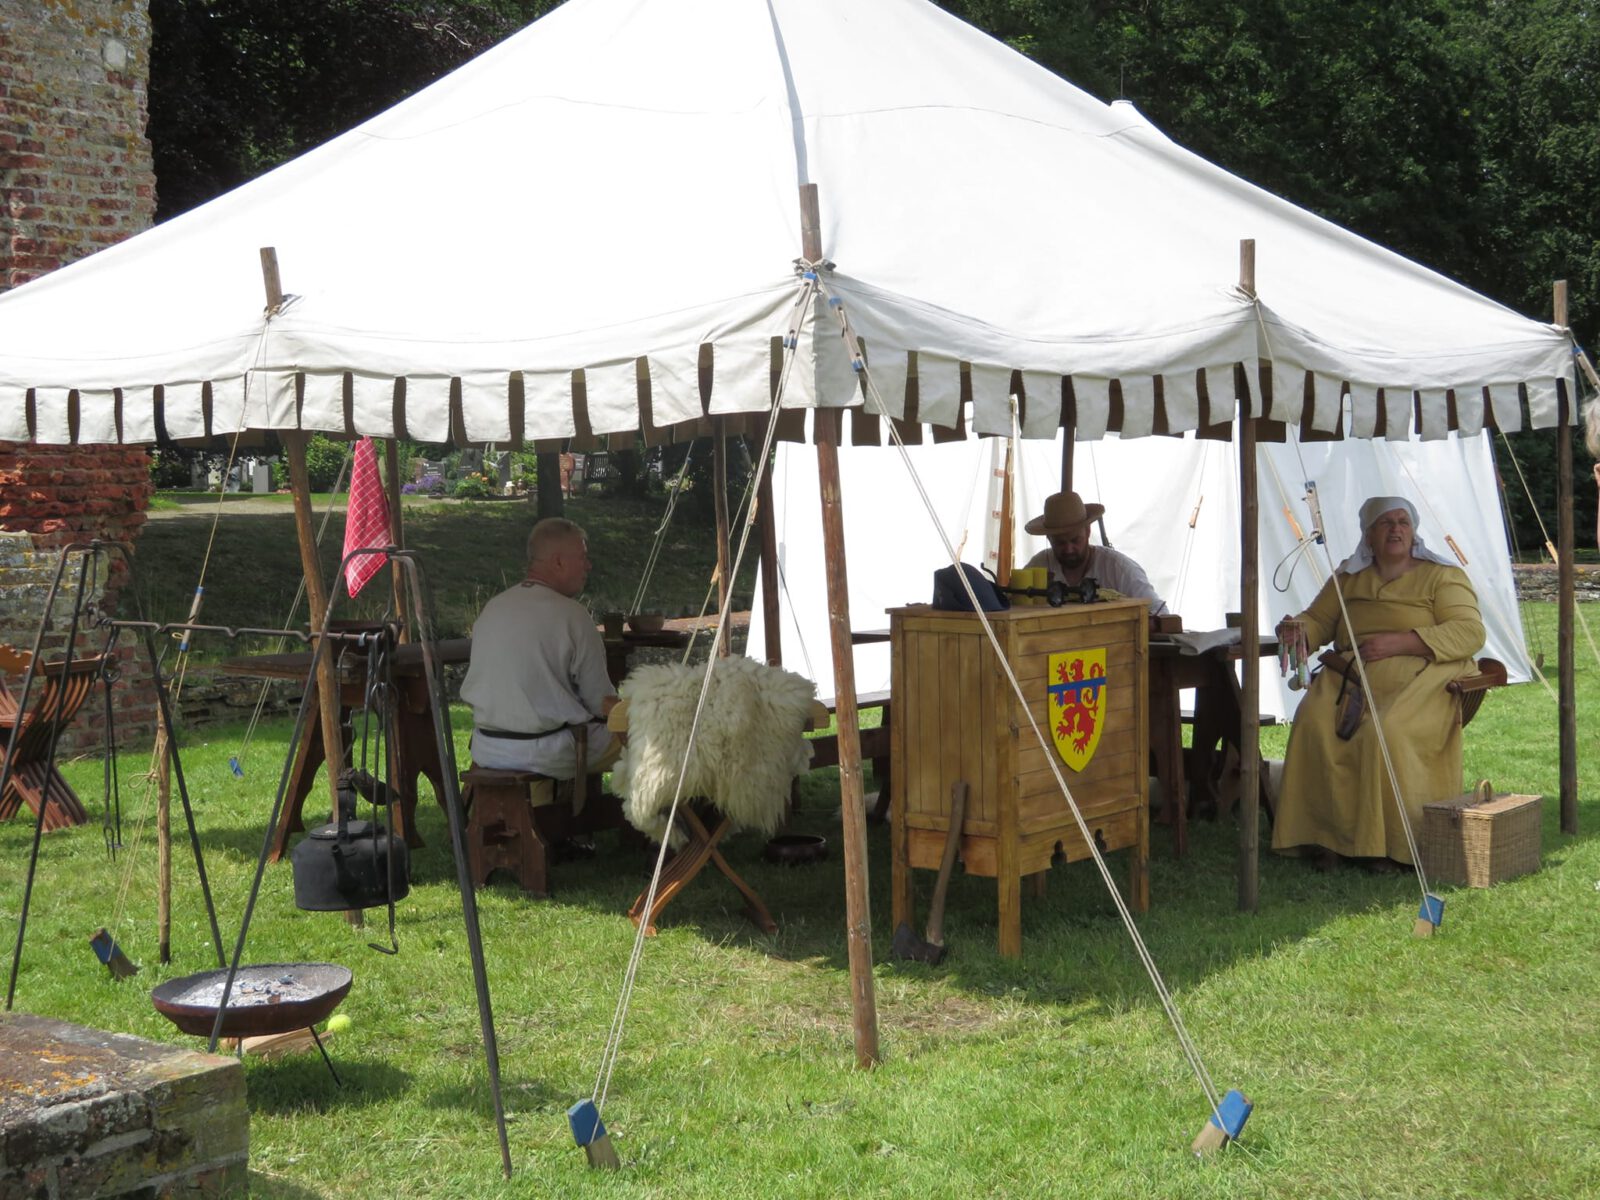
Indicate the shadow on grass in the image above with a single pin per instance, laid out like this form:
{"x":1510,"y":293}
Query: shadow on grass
{"x":275,"y":1187}
{"x":301,"y":1083}
{"x":1075,"y":948}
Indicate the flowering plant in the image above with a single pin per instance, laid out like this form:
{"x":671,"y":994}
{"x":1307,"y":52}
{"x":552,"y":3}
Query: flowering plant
{"x":428,"y":485}
{"x":473,"y":486}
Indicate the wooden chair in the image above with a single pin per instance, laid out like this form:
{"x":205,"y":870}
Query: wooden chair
{"x":1471,"y":689}
{"x":59,"y":690}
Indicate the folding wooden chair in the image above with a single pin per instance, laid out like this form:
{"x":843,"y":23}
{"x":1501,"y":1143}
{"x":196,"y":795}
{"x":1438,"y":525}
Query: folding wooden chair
{"x":60,"y":688}
{"x":1472,"y":688}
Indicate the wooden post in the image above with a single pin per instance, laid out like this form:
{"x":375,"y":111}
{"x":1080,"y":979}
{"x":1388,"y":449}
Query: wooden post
{"x":391,"y":473}
{"x":547,"y":487}
{"x":163,"y":767}
{"x":1566,"y":608}
{"x":1249,"y":630}
{"x":858,"y":913}
{"x":771,"y":611}
{"x":1006,"y":552}
{"x":294,"y":447}
{"x":1069,"y":440}
{"x":719,"y":493}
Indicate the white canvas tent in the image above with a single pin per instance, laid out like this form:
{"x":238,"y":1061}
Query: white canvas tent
{"x":592,"y":229}
{"x":614,"y":189}
{"x":1173,"y":504}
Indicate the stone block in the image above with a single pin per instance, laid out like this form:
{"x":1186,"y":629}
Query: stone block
{"x":89,"y":1113}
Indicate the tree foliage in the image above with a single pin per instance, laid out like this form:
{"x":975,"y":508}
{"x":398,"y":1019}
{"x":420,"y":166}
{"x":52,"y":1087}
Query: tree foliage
{"x":239,"y":86}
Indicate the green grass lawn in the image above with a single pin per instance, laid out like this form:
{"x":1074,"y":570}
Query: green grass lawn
{"x":1462,"y":1066}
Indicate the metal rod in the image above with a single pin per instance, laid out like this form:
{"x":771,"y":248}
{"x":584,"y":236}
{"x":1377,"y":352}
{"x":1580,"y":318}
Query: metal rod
{"x":422,"y":602}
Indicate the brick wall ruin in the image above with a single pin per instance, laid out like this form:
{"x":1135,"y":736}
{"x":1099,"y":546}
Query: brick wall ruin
{"x":75,"y":176}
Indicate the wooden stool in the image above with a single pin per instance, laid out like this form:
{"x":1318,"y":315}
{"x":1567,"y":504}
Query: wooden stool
{"x":501,"y":831}
{"x":700,"y":849}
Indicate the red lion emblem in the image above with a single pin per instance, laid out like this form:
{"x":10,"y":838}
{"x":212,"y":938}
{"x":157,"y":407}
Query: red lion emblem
{"x":1079,"y":707}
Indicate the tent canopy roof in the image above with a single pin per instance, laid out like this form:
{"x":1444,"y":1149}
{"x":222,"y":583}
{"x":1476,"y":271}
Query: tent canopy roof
{"x":592,"y":229}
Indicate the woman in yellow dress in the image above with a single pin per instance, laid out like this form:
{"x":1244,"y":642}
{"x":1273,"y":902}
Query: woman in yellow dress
{"x":1417,"y":627}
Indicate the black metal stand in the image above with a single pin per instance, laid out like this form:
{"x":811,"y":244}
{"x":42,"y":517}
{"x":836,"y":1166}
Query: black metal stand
{"x":422,"y":609}
{"x":89,"y":554}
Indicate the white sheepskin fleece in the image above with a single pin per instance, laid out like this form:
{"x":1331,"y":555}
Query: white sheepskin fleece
{"x":749,"y":747}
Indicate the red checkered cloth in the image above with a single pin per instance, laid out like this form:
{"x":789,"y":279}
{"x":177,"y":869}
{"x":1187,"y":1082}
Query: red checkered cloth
{"x":366,"y":521}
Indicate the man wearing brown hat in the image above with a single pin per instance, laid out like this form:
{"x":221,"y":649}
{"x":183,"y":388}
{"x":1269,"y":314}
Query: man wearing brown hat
{"x":1072,"y":558}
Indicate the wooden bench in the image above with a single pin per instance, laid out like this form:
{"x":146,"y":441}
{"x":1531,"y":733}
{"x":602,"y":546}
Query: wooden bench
{"x":874,"y":748}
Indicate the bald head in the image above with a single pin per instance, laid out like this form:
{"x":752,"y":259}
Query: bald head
{"x":558,"y":555}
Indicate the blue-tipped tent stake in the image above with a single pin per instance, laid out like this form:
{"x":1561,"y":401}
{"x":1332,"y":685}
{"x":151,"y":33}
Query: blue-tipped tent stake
{"x":233,"y":765}
{"x":109,"y":953}
{"x":1429,"y":917}
{"x":1234,"y":1111}
{"x":589,"y":1131}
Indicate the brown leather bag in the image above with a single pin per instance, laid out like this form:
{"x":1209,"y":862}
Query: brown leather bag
{"x":1350,"y":704}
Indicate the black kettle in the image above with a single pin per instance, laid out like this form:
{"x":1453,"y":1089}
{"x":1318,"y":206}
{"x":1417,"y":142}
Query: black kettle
{"x":350,"y":864}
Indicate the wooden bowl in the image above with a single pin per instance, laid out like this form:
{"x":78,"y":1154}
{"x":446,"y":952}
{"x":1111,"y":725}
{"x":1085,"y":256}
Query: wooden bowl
{"x":647,"y":622}
{"x":796,"y":849}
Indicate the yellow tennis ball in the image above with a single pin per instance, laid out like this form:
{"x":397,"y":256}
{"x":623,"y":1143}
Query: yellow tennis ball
{"x":338,"y":1023}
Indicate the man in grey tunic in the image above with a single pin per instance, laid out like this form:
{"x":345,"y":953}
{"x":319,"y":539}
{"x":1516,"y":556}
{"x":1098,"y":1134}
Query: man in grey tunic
{"x":1072,"y":558}
{"x":539,"y":665}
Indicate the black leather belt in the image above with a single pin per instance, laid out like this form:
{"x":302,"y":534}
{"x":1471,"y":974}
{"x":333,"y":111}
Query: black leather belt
{"x":518,"y":737}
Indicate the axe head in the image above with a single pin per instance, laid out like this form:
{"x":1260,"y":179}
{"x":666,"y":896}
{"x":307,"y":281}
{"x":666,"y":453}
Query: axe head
{"x":908,"y":945}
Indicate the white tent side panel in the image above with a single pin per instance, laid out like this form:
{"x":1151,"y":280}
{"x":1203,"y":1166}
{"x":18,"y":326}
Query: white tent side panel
{"x":1172,"y":503}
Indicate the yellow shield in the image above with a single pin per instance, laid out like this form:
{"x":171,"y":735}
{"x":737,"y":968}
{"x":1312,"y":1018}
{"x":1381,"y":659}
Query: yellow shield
{"x":1076,"y":683}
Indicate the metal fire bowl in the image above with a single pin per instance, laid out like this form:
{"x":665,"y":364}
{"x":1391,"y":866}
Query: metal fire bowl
{"x":265,"y":999}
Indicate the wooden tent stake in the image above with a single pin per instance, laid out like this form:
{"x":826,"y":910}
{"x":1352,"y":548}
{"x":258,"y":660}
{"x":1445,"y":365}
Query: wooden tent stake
{"x":858,"y":914}
{"x":1249,"y":630}
{"x":1566,"y":609}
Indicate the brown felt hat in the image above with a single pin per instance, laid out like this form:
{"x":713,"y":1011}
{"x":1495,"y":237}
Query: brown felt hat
{"x":1063,"y":512}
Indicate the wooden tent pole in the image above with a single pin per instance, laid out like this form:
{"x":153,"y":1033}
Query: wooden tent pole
{"x":858,"y":913}
{"x":294,"y":447}
{"x":391,"y":472}
{"x":719,"y":493}
{"x":1566,"y":609}
{"x":1008,"y":518}
{"x":1249,"y":630}
{"x":1069,"y":440}
{"x":770,"y":610}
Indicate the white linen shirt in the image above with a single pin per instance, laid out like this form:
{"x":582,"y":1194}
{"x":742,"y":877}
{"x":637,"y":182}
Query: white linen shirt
{"x":1108,"y":568}
{"x":538,"y":664}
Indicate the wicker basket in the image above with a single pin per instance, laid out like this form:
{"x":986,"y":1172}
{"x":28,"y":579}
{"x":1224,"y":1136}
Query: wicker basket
{"x":1482,"y":838}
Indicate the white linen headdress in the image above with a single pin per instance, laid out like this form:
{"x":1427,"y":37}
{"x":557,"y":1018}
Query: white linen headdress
{"x":1371,"y":510}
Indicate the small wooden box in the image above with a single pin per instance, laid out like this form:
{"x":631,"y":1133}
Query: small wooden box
{"x":1481,"y":838}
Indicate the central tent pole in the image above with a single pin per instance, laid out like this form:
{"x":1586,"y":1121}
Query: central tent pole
{"x":858,"y":913}
{"x":1249,"y":626}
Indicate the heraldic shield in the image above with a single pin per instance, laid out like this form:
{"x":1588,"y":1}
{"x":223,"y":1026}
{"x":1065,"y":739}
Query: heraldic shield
{"x":1077,"y":686}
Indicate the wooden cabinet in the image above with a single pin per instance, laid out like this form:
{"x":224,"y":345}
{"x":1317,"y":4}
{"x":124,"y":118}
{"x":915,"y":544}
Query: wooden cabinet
{"x":957,"y":717}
